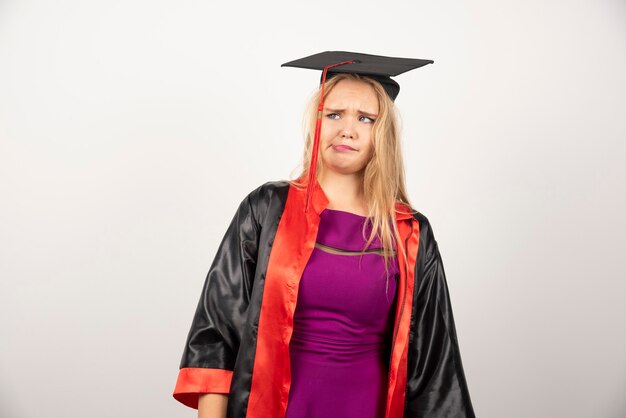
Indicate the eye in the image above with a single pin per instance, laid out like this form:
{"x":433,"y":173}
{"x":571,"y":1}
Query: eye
{"x":366,"y":119}
{"x":332,"y":116}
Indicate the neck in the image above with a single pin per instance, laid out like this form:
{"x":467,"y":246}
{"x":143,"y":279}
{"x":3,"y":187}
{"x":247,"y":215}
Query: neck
{"x":344,"y":191}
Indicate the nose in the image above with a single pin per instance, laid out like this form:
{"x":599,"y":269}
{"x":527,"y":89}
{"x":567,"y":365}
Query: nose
{"x":347,"y":130}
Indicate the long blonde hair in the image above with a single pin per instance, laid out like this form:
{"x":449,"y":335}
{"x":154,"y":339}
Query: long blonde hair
{"x":383,"y":177}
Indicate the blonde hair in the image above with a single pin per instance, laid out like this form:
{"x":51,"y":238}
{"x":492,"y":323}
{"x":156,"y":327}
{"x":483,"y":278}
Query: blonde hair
{"x":383,"y":177}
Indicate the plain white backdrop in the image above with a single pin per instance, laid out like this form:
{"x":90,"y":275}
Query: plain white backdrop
{"x":130,"y":131}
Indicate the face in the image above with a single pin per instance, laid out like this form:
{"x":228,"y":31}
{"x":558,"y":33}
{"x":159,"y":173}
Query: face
{"x":349,"y":113}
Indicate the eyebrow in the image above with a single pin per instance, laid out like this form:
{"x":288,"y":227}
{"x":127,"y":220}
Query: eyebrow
{"x":373,"y":115}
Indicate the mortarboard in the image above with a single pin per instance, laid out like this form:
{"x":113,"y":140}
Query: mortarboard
{"x":377,"y":67}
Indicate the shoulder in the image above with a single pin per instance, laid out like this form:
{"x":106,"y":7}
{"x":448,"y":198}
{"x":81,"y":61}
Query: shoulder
{"x":428,"y":244}
{"x":268,"y":191}
{"x":423,"y":221}
{"x":268,"y":199}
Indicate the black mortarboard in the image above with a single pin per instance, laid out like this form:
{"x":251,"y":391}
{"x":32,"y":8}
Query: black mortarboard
{"x":378,"y":67}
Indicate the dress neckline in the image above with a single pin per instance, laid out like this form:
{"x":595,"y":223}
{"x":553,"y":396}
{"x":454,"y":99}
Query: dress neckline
{"x":346,"y":212}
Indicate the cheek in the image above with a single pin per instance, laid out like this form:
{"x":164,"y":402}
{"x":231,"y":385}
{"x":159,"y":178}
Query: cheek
{"x":325,"y":132}
{"x":367,"y":136}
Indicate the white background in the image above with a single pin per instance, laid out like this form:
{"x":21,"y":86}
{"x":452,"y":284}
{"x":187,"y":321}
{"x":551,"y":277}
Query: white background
{"x":131,"y":130}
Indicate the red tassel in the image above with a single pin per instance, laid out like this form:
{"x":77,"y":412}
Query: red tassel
{"x":316,"y":138}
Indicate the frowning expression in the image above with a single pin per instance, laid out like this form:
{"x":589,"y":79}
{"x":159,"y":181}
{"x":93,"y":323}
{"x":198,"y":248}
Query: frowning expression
{"x":346,"y":143}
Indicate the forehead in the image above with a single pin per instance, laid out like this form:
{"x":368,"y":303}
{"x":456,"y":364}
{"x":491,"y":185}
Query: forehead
{"x":353,"y":93}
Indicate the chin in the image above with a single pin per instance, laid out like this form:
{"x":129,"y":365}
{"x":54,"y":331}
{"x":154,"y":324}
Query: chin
{"x":342,"y":165}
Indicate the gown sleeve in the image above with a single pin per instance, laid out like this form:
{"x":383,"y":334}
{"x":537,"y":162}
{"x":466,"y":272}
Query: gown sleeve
{"x":213,"y":341}
{"x":437,"y":386}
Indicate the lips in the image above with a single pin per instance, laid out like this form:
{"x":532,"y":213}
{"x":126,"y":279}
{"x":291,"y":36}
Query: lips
{"x":343,"y":148}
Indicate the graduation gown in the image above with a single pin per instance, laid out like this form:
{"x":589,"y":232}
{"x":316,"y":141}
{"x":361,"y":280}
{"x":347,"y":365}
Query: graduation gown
{"x":238,"y":343}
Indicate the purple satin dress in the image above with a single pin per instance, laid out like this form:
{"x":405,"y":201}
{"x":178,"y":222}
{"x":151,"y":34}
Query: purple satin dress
{"x":342,"y":326}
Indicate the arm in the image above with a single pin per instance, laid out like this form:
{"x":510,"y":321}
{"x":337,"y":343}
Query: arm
{"x":212,"y":405}
{"x":213,"y":341}
{"x":436,"y":381}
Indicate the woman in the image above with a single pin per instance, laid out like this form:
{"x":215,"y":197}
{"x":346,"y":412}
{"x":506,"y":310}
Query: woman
{"x":327,"y":296}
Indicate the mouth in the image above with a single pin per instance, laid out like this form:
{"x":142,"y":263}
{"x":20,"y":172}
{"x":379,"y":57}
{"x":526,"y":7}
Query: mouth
{"x":343,"y":148}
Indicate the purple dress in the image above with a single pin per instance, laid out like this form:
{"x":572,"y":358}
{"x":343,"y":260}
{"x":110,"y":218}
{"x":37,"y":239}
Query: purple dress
{"x":342,"y":326}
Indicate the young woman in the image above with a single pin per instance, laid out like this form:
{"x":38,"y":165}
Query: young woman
{"x":327,"y":296}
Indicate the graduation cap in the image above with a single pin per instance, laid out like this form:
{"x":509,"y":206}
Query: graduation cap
{"x":331,"y":63}
{"x":378,"y":67}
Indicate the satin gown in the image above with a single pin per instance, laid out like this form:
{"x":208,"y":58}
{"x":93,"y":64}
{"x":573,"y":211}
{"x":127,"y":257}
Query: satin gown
{"x":339,"y":349}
